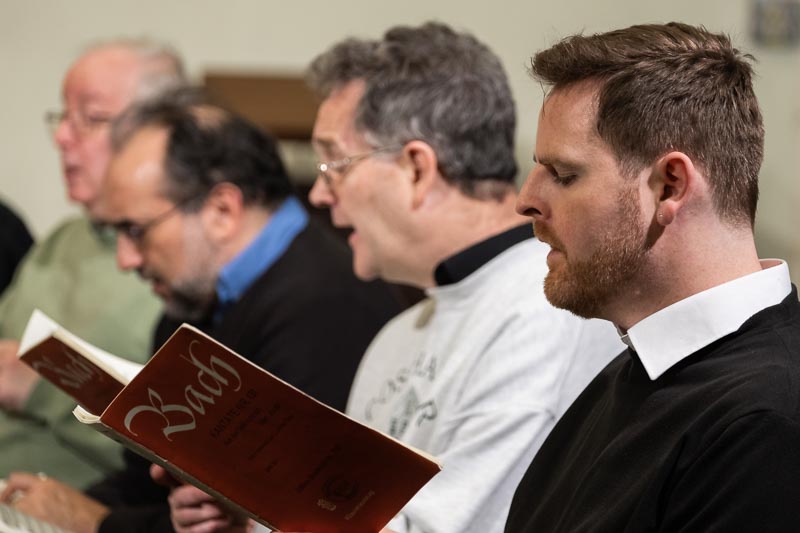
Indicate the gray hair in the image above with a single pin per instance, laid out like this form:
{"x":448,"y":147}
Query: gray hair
{"x":163,"y":67}
{"x":433,"y":84}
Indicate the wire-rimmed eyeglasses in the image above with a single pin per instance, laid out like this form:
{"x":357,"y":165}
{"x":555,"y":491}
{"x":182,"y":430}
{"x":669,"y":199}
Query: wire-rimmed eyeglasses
{"x":82,"y":123}
{"x":328,"y":169}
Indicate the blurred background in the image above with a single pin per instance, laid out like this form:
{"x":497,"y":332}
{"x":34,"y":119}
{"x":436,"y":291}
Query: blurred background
{"x":264,"y":38}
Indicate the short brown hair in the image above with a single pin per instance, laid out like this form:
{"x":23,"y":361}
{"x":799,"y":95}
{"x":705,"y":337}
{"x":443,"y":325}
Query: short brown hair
{"x":671,"y":87}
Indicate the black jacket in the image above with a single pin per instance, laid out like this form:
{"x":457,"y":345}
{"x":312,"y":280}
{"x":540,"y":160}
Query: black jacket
{"x":307,"y":320}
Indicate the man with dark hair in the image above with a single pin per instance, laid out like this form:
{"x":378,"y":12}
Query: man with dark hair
{"x":70,"y":274}
{"x":648,"y":151}
{"x":204,"y":210}
{"x":415,"y":132}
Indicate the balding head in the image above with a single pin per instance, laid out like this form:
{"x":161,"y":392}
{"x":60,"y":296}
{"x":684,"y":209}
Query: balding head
{"x":99,"y":86}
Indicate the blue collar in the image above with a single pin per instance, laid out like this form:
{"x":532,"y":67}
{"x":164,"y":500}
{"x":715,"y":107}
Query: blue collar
{"x":268,"y":246}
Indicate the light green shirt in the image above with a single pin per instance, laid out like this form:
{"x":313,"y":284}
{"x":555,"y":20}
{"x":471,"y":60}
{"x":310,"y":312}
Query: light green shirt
{"x":72,"y":276}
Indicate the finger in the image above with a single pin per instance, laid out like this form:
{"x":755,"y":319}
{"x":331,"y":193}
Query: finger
{"x":8,"y":349}
{"x":188,"y":496}
{"x":21,"y":481}
{"x":211,"y":526}
{"x":163,"y":477}
{"x":195,"y":516}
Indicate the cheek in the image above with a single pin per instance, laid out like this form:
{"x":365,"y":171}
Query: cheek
{"x":95,"y":156}
{"x":578,"y":228}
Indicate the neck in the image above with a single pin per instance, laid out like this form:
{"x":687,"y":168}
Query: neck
{"x":681,"y":267}
{"x":251,"y":223}
{"x":460,"y":222}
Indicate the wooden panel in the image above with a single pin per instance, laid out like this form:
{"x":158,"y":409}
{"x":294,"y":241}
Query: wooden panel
{"x":281,"y":104}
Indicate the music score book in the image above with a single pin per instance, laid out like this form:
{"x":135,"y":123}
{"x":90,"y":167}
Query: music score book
{"x":236,"y":431}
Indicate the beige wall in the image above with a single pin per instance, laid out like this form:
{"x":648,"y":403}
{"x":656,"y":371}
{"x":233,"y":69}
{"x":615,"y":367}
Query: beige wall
{"x":38,"y":39}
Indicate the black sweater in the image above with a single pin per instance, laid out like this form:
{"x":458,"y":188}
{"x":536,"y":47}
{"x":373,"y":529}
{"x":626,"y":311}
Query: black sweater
{"x":15,"y":241}
{"x":307,"y":320}
{"x":713,"y":445}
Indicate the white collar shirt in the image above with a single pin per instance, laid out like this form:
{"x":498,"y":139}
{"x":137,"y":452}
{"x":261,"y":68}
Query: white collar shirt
{"x":670,"y":335}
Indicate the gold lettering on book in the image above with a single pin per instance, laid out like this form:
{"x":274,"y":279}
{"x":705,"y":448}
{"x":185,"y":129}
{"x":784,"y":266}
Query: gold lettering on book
{"x":213,"y":377}
{"x":162,"y":410}
{"x":75,"y":374}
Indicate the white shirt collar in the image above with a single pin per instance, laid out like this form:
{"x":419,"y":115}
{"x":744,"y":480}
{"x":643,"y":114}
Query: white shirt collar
{"x":666,"y":337}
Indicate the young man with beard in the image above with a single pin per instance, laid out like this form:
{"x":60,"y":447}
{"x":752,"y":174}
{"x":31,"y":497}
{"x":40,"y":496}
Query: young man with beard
{"x":648,"y":150}
{"x":70,"y":274}
{"x":204,"y":210}
{"x":415,"y":134}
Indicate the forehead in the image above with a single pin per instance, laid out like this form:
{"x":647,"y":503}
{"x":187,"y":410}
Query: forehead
{"x":107,"y":77}
{"x":334,"y":129}
{"x":567,"y":124}
{"x":136,"y":174}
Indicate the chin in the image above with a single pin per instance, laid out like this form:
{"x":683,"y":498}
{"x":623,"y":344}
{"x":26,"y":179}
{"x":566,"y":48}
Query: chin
{"x":80,"y":196}
{"x":364,"y":272}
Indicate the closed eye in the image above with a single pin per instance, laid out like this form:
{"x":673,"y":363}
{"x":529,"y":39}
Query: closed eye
{"x":564,"y":181}
{"x":560,"y":179}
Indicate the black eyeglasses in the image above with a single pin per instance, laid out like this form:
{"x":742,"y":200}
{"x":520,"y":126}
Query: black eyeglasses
{"x":136,"y":232}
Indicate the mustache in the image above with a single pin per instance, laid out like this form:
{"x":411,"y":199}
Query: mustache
{"x":545,"y":235}
{"x":147,"y":274}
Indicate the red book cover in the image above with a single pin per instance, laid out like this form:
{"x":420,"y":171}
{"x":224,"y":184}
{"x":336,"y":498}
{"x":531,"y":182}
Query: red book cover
{"x":244,"y":435}
{"x":65,"y":367}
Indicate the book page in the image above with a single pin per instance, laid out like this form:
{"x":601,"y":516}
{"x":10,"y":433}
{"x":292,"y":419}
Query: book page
{"x":13,"y":521}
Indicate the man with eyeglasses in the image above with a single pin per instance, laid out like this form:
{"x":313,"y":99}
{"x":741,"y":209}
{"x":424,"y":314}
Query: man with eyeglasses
{"x":204,"y":210}
{"x":415,"y":133}
{"x":71,"y":273}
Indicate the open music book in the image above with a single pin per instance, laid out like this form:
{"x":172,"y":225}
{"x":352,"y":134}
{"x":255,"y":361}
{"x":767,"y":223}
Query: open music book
{"x":229,"y":427}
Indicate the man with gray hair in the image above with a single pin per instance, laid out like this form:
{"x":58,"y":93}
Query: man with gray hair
{"x":415,"y":132}
{"x":71,"y":274}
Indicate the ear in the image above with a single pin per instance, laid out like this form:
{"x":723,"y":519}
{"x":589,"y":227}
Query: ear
{"x":673,"y":182}
{"x":424,"y":166}
{"x":223,"y":212}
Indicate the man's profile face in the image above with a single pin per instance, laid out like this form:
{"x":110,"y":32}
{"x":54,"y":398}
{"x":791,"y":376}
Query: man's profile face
{"x":583,"y":207}
{"x":174,"y":254}
{"x":96,"y":89}
{"x":362,"y":195}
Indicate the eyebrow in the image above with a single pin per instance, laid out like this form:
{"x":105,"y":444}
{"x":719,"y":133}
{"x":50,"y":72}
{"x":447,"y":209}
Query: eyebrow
{"x":327,"y":147}
{"x":556,"y":162}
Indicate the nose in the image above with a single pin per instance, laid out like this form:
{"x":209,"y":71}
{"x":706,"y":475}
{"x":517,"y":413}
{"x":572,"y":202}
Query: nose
{"x":64,"y":134}
{"x":529,"y":201}
{"x":320,"y":194}
{"x":128,"y":255}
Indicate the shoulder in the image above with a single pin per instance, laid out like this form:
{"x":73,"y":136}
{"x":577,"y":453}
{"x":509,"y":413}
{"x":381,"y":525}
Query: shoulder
{"x":755,"y":369}
{"x":71,"y":234}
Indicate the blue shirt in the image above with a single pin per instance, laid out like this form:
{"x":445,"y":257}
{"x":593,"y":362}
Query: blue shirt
{"x":268,"y":246}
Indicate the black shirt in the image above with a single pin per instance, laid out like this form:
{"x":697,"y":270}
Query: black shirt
{"x":15,"y":241}
{"x":459,"y":266}
{"x":713,"y":444}
{"x":307,"y":320}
